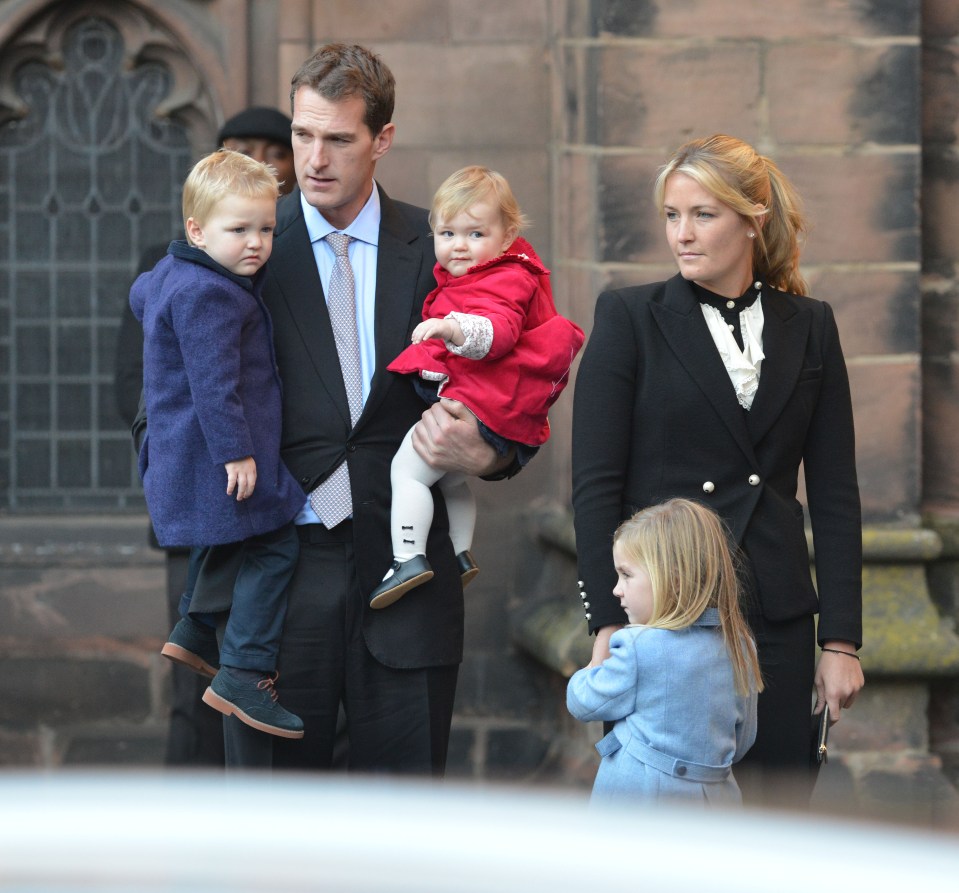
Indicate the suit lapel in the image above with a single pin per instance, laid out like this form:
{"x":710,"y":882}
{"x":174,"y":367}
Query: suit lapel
{"x":681,"y":322}
{"x":295,"y":271}
{"x":785,"y":333}
{"x":398,"y":263}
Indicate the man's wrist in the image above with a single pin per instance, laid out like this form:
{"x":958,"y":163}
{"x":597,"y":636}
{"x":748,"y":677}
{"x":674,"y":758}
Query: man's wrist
{"x":505,"y":467}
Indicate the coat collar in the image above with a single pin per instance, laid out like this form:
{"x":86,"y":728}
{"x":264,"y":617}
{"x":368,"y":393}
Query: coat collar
{"x":785,"y":332}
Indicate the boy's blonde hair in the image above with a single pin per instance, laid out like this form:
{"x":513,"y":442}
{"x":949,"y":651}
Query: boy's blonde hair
{"x":222,"y":173}
{"x":687,"y":552}
{"x":473,"y":184}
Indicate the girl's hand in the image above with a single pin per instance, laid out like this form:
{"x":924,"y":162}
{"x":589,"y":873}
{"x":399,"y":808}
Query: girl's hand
{"x":241,"y":476}
{"x":432,"y":328}
{"x":601,"y":644}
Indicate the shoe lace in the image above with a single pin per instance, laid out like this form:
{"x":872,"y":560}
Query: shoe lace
{"x":267,"y":683}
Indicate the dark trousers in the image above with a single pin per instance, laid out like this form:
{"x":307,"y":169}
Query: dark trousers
{"x":195,"y":736}
{"x":780,"y":769}
{"x":264,"y":566}
{"x":398,"y":720}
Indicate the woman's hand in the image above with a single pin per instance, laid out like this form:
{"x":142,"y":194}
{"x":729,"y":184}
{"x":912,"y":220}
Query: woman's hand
{"x":839,"y":678}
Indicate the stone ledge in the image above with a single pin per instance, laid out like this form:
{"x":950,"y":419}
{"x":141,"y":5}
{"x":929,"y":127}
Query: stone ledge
{"x":904,"y":633}
{"x":76,"y":541}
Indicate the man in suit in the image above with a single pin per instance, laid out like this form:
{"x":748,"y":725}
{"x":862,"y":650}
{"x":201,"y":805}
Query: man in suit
{"x":393,"y":670}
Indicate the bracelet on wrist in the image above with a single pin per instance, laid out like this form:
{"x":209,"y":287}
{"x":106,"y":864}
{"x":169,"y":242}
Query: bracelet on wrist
{"x":847,"y":653}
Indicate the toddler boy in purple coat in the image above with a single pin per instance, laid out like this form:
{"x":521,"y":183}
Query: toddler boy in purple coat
{"x":210,"y":461}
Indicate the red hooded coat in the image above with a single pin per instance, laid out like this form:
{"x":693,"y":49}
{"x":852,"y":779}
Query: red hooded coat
{"x":511,"y":389}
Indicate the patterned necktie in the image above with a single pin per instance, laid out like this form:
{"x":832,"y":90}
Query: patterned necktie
{"x":332,"y":500}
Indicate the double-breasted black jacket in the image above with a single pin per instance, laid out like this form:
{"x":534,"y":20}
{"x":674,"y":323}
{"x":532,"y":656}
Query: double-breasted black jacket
{"x":317,"y":435}
{"x":655,"y":416}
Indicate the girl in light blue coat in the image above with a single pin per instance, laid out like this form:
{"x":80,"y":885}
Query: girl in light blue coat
{"x":681,"y":681}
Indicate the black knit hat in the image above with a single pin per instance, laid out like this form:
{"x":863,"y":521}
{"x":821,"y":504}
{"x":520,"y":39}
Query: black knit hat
{"x":258,"y":121}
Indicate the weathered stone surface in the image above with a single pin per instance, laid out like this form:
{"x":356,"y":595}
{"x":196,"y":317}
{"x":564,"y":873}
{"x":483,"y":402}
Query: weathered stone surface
{"x":903,"y":633}
{"x":877,"y":311}
{"x":886,"y":406}
{"x":56,"y":688}
{"x":843,"y":94}
{"x":514,"y":753}
{"x":110,"y":747}
{"x":644,"y":97}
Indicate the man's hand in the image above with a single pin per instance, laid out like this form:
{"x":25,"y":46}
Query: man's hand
{"x":447,"y":438}
{"x":241,"y":476}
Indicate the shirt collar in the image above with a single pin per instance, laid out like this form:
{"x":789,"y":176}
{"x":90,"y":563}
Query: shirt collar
{"x":365,"y":227}
{"x":709,"y":617}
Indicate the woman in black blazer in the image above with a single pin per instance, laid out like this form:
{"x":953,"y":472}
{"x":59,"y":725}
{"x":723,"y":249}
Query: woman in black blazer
{"x":716,"y":385}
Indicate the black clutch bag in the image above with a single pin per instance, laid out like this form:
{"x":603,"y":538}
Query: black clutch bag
{"x":823,"y":737}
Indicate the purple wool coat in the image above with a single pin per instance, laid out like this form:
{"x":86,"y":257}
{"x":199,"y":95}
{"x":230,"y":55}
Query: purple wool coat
{"x":213,"y":395}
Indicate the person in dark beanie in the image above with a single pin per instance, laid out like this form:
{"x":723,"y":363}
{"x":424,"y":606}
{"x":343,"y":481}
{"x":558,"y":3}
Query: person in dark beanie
{"x":263,"y":134}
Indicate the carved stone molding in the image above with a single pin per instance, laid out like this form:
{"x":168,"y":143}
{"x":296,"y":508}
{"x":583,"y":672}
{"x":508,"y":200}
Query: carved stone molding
{"x":146,"y":43}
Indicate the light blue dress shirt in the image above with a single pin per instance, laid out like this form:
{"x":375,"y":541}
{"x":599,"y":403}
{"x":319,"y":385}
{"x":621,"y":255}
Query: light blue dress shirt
{"x":365,"y":231}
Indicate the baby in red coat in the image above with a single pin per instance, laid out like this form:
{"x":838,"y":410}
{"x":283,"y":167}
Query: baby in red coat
{"x":490,"y":338}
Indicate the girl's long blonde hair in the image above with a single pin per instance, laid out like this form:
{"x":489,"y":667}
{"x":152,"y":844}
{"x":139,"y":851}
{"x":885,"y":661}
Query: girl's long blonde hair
{"x":687,"y":552}
{"x":738,"y":176}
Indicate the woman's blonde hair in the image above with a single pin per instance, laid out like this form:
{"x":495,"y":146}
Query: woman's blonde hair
{"x":222,"y":173}
{"x":473,"y":184}
{"x":688,"y":554}
{"x":739,"y":177}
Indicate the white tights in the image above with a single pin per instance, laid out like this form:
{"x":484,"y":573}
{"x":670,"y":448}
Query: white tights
{"x":412,"y":509}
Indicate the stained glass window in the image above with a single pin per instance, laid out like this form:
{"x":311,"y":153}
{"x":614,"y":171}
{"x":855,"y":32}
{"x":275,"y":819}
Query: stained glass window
{"x":90,"y":176}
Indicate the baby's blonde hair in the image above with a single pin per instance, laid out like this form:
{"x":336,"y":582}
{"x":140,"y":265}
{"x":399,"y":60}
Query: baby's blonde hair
{"x":473,"y":184}
{"x":222,"y":173}
{"x":687,"y":552}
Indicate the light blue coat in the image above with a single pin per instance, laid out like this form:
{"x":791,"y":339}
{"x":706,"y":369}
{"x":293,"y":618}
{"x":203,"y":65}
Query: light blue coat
{"x":679,"y":722}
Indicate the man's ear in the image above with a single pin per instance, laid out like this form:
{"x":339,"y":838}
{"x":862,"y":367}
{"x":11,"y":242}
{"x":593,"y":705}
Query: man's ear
{"x":383,"y":141}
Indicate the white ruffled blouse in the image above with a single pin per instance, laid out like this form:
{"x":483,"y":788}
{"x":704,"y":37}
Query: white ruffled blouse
{"x":743,"y":365}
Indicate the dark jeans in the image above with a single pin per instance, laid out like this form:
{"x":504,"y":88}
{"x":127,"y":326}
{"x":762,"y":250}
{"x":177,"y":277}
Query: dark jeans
{"x":195,"y":735}
{"x":263,"y":567}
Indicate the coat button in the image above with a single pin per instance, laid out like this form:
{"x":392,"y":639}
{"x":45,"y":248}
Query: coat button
{"x":351,"y":447}
{"x":586,"y":605}
{"x":708,"y":487}
{"x":754,"y":480}
{"x":589,"y":616}
{"x":680,"y":771}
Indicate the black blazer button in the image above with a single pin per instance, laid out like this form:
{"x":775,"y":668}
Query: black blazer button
{"x":351,"y":446}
